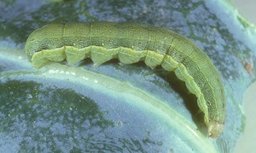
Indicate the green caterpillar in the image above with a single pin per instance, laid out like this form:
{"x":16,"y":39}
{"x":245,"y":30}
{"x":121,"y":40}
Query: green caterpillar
{"x":131,"y":43}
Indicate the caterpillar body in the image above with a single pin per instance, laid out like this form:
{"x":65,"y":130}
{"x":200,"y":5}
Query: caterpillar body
{"x":131,"y":43}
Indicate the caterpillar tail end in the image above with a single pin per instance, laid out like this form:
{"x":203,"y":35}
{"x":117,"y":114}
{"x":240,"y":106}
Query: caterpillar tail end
{"x":215,"y":129}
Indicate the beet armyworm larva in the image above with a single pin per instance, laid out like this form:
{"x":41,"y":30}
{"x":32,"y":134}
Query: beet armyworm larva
{"x":130,"y":43}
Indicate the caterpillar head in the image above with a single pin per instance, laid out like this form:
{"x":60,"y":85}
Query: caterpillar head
{"x":46,"y":37}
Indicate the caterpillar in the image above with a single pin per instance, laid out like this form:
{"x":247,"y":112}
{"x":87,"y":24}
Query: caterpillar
{"x":131,"y":43}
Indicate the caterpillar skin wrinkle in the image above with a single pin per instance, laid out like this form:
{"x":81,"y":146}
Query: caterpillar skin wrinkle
{"x":131,"y":43}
